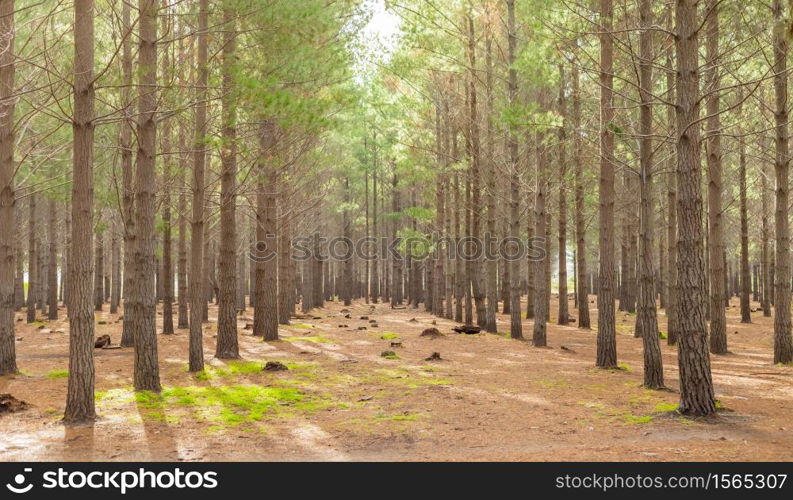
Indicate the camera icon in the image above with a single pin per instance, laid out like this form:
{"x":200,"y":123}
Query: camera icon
{"x":19,"y":481}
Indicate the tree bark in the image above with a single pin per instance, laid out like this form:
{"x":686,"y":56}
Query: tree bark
{"x":8,"y":254}
{"x":564,"y":316}
{"x":265,"y":312}
{"x":718,"y":318}
{"x":196,"y":283}
{"x":52,"y":264}
{"x":128,"y":174}
{"x":33,"y":270}
{"x":516,"y":329}
{"x":146,"y":372}
{"x":783,"y":341}
{"x":580,"y":223}
{"x":647,"y":319}
{"x":227,"y":344}
{"x":696,"y":387}
{"x":80,"y":386}
{"x":606,"y":337}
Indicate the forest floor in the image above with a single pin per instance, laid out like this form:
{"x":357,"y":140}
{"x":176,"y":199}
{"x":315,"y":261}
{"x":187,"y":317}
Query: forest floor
{"x":489,"y":398}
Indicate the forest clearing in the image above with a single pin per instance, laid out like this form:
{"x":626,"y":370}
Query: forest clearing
{"x":396,"y":230}
{"x":489,"y":398}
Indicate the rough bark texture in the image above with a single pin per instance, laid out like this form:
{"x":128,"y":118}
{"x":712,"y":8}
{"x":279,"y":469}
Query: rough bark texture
{"x":127,"y":176}
{"x":541,"y":283}
{"x":516,"y":329}
{"x":181,"y":262}
{"x":564,"y":315}
{"x":147,"y":373}
{"x":8,"y":360}
{"x":606,"y":337}
{"x":696,"y":387}
{"x":227,"y":344}
{"x":783,"y":341}
{"x":673,"y":292}
{"x":745,"y":277}
{"x":33,"y":271}
{"x":647,"y":319}
{"x":718,"y":318}
{"x":80,"y":386}
{"x":580,"y":223}
{"x":52,"y":262}
{"x":196,"y":283}
{"x":265,"y":312}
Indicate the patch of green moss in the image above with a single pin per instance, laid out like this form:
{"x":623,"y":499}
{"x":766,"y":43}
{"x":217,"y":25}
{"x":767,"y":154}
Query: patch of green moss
{"x":662,"y":335}
{"x":234,"y":405}
{"x":665,"y":407}
{"x":317,"y":339}
{"x":232,"y":369}
{"x":302,"y":326}
{"x":636,"y":419}
{"x":58,"y":374}
{"x":625,"y":367}
{"x":389,"y":336}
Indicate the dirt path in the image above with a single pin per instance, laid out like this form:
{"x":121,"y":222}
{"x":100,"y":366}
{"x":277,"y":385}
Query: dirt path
{"x":489,"y":398}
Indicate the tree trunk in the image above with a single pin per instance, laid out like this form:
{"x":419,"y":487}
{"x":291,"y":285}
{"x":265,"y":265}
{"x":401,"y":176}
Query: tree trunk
{"x":147,"y":373}
{"x":8,"y":358}
{"x":128,"y":174}
{"x":580,"y":223}
{"x":541,"y":289}
{"x":673,"y":292}
{"x":783,"y":341}
{"x":744,"y":283}
{"x":115,"y":250}
{"x":564,"y":316}
{"x":718,"y":318}
{"x":647,"y":319}
{"x":52,"y":273}
{"x":696,"y":387}
{"x":516,"y":329}
{"x":33,"y":268}
{"x":227,"y":343}
{"x":80,"y":386}
{"x":196,"y":283}
{"x":606,"y":337}
{"x":265,"y":312}
{"x":99,"y":265}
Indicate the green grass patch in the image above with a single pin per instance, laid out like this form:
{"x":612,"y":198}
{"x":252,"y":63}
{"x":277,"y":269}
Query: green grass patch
{"x":302,"y":326}
{"x":636,"y":419}
{"x":232,"y":369}
{"x":389,"y":336}
{"x":665,"y":407}
{"x":58,"y":374}
{"x":231,"y":406}
{"x":317,"y":339}
{"x":625,"y":367}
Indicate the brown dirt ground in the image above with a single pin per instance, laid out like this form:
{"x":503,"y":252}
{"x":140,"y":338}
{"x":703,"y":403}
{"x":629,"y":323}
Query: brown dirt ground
{"x":490,"y":398}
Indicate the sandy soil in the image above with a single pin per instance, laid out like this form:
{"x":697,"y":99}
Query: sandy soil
{"x":489,"y":398}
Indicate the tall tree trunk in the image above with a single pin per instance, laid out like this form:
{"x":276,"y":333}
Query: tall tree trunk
{"x":673,"y":291}
{"x":718,"y":318}
{"x":580,"y":224}
{"x":227,"y":343}
{"x":147,"y":372}
{"x":647,"y":318}
{"x":606,"y":337}
{"x":99,"y":265}
{"x":181,"y":272}
{"x":396,"y":275}
{"x":33,"y":270}
{"x":516,"y":329}
{"x":285,"y":283}
{"x":52,"y":273}
{"x":127,"y":177}
{"x":783,"y":341}
{"x":541,"y":288}
{"x":374,"y":285}
{"x":8,"y":358}
{"x":564,"y":316}
{"x":696,"y":387}
{"x":765,"y":277}
{"x":265,"y":312}
{"x":491,"y":286}
{"x":115,"y":250}
{"x":80,"y":387}
{"x":196,"y":283}
{"x":745,"y":278}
